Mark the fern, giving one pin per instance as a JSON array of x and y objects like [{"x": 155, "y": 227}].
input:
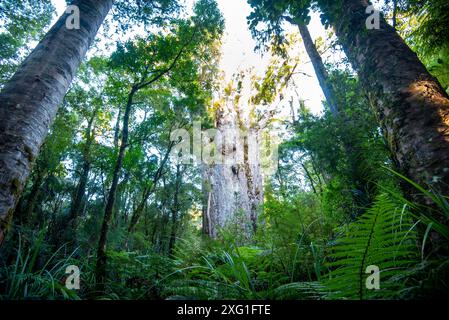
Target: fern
[
  {"x": 187, "y": 289},
  {"x": 299, "y": 291},
  {"x": 26, "y": 279},
  {"x": 384, "y": 236}
]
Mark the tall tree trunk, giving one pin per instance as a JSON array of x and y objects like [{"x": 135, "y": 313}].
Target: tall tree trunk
[
  {"x": 337, "y": 108},
  {"x": 100, "y": 269},
  {"x": 27, "y": 212},
  {"x": 149, "y": 189},
  {"x": 395, "y": 13},
  {"x": 29, "y": 101},
  {"x": 412, "y": 105},
  {"x": 117, "y": 128},
  {"x": 236, "y": 190},
  {"x": 80, "y": 192},
  {"x": 309, "y": 176},
  {"x": 175, "y": 210},
  {"x": 320, "y": 69}
]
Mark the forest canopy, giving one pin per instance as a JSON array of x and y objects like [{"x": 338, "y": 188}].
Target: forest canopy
[{"x": 145, "y": 155}]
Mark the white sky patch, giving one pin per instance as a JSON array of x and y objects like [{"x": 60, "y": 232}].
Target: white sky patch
[{"x": 238, "y": 51}]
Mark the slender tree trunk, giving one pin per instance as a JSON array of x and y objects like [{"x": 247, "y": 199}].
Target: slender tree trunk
[
  {"x": 100, "y": 270},
  {"x": 82, "y": 183},
  {"x": 32, "y": 198},
  {"x": 117, "y": 128},
  {"x": 412, "y": 105},
  {"x": 29, "y": 101},
  {"x": 320, "y": 69},
  {"x": 149, "y": 189},
  {"x": 395, "y": 13},
  {"x": 140, "y": 208},
  {"x": 175, "y": 210},
  {"x": 309, "y": 176},
  {"x": 318, "y": 173},
  {"x": 80, "y": 193},
  {"x": 336, "y": 106}
]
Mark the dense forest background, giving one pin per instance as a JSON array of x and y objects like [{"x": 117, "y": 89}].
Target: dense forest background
[{"x": 92, "y": 176}]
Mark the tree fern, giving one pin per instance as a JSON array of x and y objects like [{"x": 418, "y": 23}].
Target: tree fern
[{"x": 384, "y": 237}]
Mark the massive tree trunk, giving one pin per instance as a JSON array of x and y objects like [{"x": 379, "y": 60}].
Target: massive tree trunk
[
  {"x": 234, "y": 189},
  {"x": 100, "y": 269},
  {"x": 412, "y": 105},
  {"x": 29, "y": 101}
]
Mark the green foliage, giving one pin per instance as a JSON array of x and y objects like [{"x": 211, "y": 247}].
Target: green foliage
[
  {"x": 432, "y": 210},
  {"x": 29, "y": 277},
  {"x": 295, "y": 230},
  {"x": 135, "y": 275},
  {"x": 340, "y": 156},
  {"x": 299, "y": 291},
  {"x": 242, "y": 273},
  {"x": 432, "y": 17},
  {"x": 271, "y": 14},
  {"x": 332, "y": 209},
  {"x": 423, "y": 25},
  {"x": 384, "y": 236},
  {"x": 144, "y": 12},
  {"x": 22, "y": 22}
]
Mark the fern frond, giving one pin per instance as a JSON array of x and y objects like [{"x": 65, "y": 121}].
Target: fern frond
[
  {"x": 383, "y": 236},
  {"x": 299, "y": 291}
]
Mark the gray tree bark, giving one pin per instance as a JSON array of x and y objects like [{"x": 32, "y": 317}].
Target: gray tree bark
[
  {"x": 411, "y": 103},
  {"x": 320, "y": 69},
  {"x": 29, "y": 101},
  {"x": 234, "y": 189}
]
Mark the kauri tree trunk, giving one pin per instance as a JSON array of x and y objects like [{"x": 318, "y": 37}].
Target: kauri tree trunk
[
  {"x": 233, "y": 191},
  {"x": 337, "y": 107},
  {"x": 412, "y": 105},
  {"x": 29, "y": 101},
  {"x": 320, "y": 69}
]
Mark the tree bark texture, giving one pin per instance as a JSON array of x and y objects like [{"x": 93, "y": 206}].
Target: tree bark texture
[
  {"x": 320, "y": 69},
  {"x": 234, "y": 189},
  {"x": 29, "y": 101},
  {"x": 411, "y": 103}
]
